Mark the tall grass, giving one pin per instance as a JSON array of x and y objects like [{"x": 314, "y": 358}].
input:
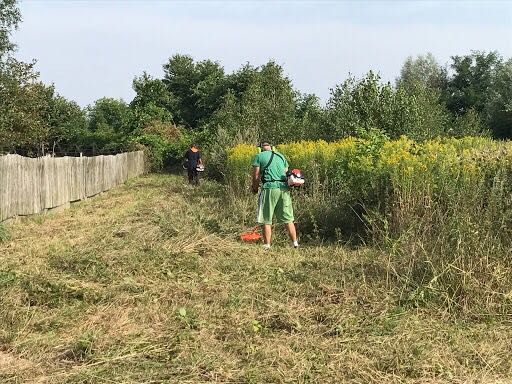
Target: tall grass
[
  {"x": 443, "y": 208},
  {"x": 149, "y": 283},
  {"x": 4, "y": 234}
]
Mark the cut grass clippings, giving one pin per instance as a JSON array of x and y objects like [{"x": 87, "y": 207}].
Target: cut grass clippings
[{"x": 149, "y": 284}]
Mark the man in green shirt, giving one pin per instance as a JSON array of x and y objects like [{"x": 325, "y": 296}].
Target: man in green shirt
[{"x": 269, "y": 168}]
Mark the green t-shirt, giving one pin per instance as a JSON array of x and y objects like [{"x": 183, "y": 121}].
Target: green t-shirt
[{"x": 275, "y": 171}]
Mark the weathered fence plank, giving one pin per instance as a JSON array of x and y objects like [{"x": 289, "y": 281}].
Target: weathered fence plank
[{"x": 29, "y": 186}]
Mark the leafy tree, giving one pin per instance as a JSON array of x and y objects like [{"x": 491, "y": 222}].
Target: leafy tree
[
  {"x": 67, "y": 125},
  {"x": 22, "y": 99},
  {"x": 197, "y": 88},
  {"x": 356, "y": 105},
  {"x": 209, "y": 89},
  {"x": 181, "y": 78},
  {"x": 419, "y": 113},
  {"x": 113, "y": 113},
  {"x": 259, "y": 103},
  {"x": 277, "y": 104},
  {"x": 310, "y": 118},
  {"x": 23, "y": 108},
  {"x": 238, "y": 82},
  {"x": 366, "y": 104},
  {"x": 468, "y": 124},
  {"x": 262, "y": 105},
  {"x": 422, "y": 71},
  {"x": 164, "y": 144},
  {"x": 10, "y": 17},
  {"x": 110, "y": 125},
  {"x": 228, "y": 116},
  {"x": 31, "y": 115},
  {"x": 152, "y": 102},
  {"x": 472, "y": 81},
  {"x": 498, "y": 109}
]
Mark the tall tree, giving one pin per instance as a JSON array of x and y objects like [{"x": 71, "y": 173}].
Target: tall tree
[
  {"x": 24, "y": 101},
  {"x": 67, "y": 125},
  {"x": 310, "y": 118},
  {"x": 110, "y": 125},
  {"x": 264, "y": 109},
  {"x": 422, "y": 71},
  {"x": 113, "y": 113},
  {"x": 181, "y": 78},
  {"x": 210, "y": 88},
  {"x": 24, "y": 108},
  {"x": 367, "y": 104},
  {"x": 197, "y": 88},
  {"x": 239, "y": 81},
  {"x": 498, "y": 110},
  {"x": 152, "y": 103},
  {"x": 471, "y": 83},
  {"x": 10, "y": 17},
  {"x": 270, "y": 101}
]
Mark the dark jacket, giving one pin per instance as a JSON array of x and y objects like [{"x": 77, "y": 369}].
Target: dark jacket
[{"x": 192, "y": 158}]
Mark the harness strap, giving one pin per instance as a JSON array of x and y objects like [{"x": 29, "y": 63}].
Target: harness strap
[{"x": 263, "y": 172}]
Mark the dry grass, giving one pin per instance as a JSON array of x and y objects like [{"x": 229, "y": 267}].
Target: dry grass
[{"x": 148, "y": 284}]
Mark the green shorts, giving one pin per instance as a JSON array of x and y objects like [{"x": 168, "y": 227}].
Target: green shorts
[{"x": 275, "y": 201}]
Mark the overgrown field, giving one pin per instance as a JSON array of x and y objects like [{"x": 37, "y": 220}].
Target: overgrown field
[
  {"x": 442, "y": 209},
  {"x": 148, "y": 284}
]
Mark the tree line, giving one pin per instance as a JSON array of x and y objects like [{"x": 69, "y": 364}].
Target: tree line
[{"x": 199, "y": 101}]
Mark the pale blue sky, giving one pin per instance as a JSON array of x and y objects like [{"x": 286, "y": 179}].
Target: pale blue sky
[{"x": 91, "y": 49}]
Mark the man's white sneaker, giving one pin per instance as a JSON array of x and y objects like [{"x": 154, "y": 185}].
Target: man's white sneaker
[{"x": 266, "y": 247}]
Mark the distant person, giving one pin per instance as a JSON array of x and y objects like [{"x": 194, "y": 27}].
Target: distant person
[
  {"x": 193, "y": 160},
  {"x": 269, "y": 167}
]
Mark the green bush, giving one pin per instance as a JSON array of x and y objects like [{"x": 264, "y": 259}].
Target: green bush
[{"x": 164, "y": 144}]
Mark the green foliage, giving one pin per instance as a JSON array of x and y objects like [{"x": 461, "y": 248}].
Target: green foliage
[
  {"x": 472, "y": 81},
  {"x": 221, "y": 110},
  {"x": 422, "y": 71},
  {"x": 155, "y": 148},
  {"x": 67, "y": 122},
  {"x": 152, "y": 102},
  {"x": 110, "y": 125},
  {"x": 498, "y": 110},
  {"x": 359, "y": 105},
  {"x": 469, "y": 124},
  {"x": 260, "y": 104},
  {"x": 23, "y": 100},
  {"x": 310, "y": 124},
  {"x": 23, "y": 107},
  {"x": 111, "y": 113},
  {"x": 217, "y": 141},
  {"x": 10, "y": 17},
  {"x": 197, "y": 88},
  {"x": 164, "y": 144},
  {"x": 479, "y": 87},
  {"x": 4, "y": 233},
  {"x": 425, "y": 117},
  {"x": 268, "y": 105}
]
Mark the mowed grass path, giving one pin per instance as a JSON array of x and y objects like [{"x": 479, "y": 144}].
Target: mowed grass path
[{"x": 149, "y": 284}]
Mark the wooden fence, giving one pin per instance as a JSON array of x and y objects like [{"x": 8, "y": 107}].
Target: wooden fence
[{"x": 29, "y": 186}]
